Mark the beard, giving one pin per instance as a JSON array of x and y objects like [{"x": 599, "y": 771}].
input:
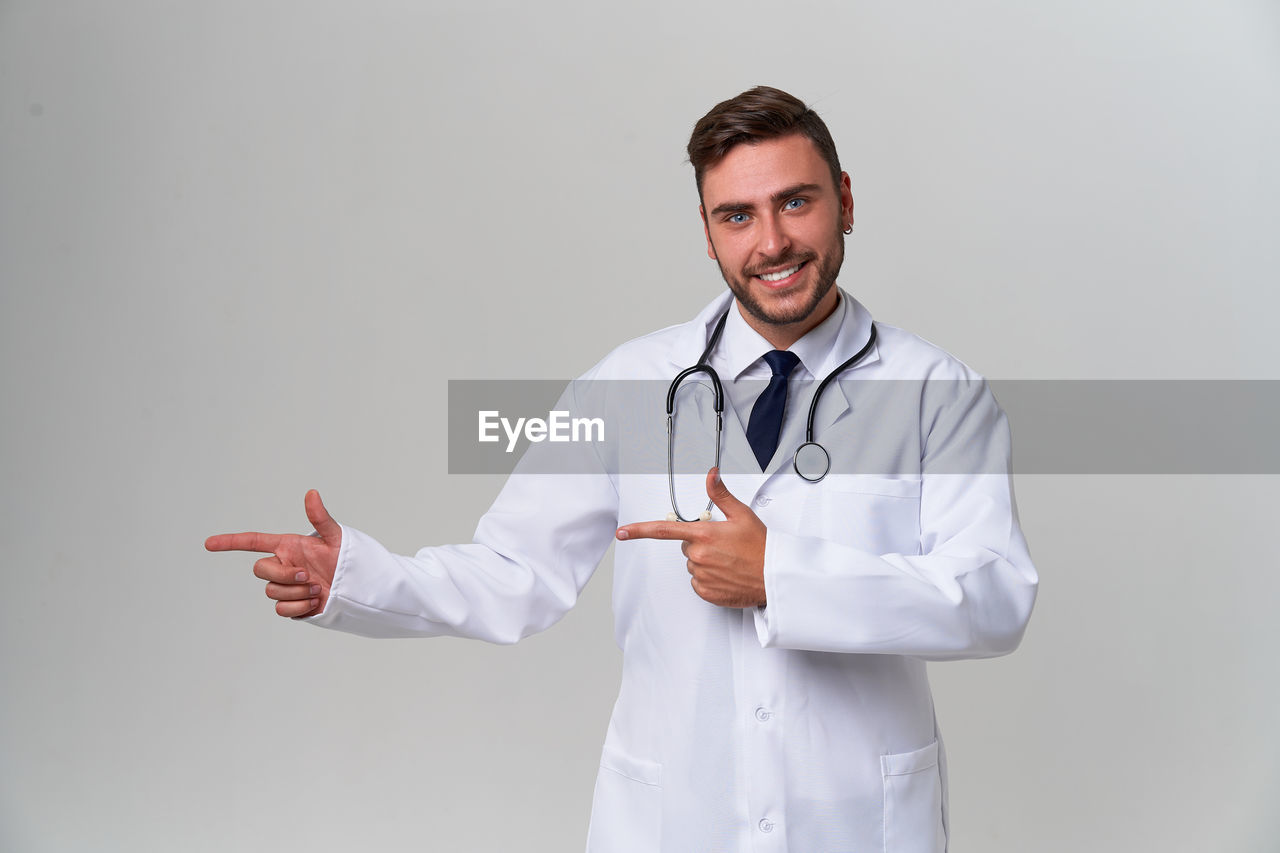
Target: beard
[{"x": 827, "y": 268}]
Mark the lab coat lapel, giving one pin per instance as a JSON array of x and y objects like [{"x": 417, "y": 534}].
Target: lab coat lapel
[
  {"x": 695, "y": 334},
  {"x": 736, "y": 455},
  {"x": 841, "y": 395},
  {"x": 741, "y": 471}
]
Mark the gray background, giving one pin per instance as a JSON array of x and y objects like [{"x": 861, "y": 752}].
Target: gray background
[{"x": 243, "y": 245}]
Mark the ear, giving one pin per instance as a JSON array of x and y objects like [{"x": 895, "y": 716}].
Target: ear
[
  {"x": 711, "y": 250},
  {"x": 846, "y": 201}
]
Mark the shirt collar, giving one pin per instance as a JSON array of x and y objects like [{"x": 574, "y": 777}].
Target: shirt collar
[{"x": 741, "y": 346}]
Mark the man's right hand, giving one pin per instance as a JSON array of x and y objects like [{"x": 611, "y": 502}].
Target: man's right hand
[{"x": 300, "y": 569}]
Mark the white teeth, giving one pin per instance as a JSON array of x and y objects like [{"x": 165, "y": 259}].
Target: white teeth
[{"x": 779, "y": 276}]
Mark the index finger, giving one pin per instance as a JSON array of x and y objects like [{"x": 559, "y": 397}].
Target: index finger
[
  {"x": 658, "y": 530},
  {"x": 265, "y": 543}
]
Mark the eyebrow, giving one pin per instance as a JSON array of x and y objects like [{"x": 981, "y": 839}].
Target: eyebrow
[{"x": 780, "y": 195}]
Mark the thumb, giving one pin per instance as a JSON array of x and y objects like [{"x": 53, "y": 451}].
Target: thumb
[
  {"x": 720, "y": 496},
  {"x": 330, "y": 531}
]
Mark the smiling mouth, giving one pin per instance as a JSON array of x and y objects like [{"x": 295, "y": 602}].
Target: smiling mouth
[{"x": 781, "y": 274}]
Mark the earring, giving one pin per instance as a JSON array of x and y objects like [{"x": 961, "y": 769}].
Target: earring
[{"x": 849, "y": 229}]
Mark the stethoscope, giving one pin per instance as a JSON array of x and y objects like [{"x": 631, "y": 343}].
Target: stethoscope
[{"x": 811, "y": 460}]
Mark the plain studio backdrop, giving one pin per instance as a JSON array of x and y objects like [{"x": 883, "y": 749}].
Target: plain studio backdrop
[{"x": 244, "y": 245}]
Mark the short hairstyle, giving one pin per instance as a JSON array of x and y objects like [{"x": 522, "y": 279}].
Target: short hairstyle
[{"x": 756, "y": 115}]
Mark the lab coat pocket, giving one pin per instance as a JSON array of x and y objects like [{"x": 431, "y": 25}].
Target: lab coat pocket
[
  {"x": 626, "y": 812},
  {"x": 913, "y": 802},
  {"x": 879, "y": 515}
]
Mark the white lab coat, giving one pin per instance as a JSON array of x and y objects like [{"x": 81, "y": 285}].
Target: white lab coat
[{"x": 806, "y": 726}]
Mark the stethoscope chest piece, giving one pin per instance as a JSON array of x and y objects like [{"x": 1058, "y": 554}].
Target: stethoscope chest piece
[{"x": 811, "y": 461}]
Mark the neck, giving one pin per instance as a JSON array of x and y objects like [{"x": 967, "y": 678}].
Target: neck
[{"x": 783, "y": 335}]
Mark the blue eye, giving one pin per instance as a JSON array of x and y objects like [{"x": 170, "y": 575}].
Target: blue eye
[
  {"x": 737, "y": 218},
  {"x": 793, "y": 204}
]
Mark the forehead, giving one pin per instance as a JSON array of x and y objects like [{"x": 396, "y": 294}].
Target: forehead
[{"x": 751, "y": 172}]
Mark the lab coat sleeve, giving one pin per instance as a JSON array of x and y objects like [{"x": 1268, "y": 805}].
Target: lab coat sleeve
[
  {"x": 967, "y": 593},
  {"x": 532, "y": 553}
]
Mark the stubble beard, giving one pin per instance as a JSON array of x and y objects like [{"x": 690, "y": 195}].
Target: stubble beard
[{"x": 828, "y": 269}]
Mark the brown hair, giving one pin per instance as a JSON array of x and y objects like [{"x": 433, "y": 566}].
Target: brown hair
[{"x": 757, "y": 114}]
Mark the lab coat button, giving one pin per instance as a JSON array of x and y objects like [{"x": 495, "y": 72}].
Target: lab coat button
[
  {"x": 763, "y": 500},
  {"x": 763, "y": 714},
  {"x": 766, "y": 825}
]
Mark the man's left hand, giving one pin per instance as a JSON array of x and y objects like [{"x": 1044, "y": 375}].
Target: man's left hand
[{"x": 726, "y": 558}]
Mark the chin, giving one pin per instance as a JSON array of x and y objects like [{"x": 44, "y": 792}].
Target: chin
[{"x": 783, "y": 308}]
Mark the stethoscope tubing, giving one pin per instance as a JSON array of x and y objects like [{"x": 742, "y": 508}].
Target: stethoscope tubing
[
  {"x": 701, "y": 367},
  {"x": 810, "y": 448}
]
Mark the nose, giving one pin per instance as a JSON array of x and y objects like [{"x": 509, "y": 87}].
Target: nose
[{"x": 774, "y": 241}]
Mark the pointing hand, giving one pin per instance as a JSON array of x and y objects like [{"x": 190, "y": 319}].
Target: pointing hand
[
  {"x": 725, "y": 558},
  {"x": 300, "y": 569}
]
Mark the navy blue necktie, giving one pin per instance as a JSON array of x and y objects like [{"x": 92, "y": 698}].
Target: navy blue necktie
[{"x": 765, "y": 424}]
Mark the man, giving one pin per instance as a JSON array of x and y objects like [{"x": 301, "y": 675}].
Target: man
[{"x": 774, "y": 694}]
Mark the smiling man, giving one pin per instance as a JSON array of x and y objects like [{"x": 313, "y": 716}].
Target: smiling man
[
  {"x": 774, "y": 693},
  {"x": 775, "y": 221}
]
